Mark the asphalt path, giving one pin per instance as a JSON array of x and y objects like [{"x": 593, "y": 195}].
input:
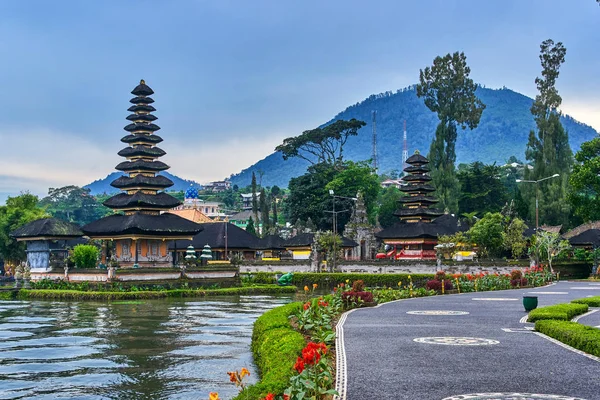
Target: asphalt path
[{"x": 389, "y": 352}]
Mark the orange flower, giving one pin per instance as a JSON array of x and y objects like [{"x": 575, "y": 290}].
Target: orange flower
[
  {"x": 315, "y": 286},
  {"x": 232, "y": 377},
  {"x": 306, "y": 305},
  {"x": 306, "y": 288},
  {"x": 244, "y": 372},
  {"x": 213, "y": 396},
  {"x": 342, "y": 284}
]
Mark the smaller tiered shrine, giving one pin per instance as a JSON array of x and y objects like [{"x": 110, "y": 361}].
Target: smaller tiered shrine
[
  {"x": 415, "y": 236},
  {"x": 141, "y": 229}
]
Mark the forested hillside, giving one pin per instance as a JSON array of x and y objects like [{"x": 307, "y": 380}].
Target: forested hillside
[{"x": 502, "y": 132}]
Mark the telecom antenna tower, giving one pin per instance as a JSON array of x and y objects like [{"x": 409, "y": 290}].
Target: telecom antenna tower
[
  {"x": 375, "y": 166},
  {"x": 405, "y": 148}
]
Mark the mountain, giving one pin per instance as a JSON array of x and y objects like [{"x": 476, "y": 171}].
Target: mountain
[
  {"x": 103, "y": 185},
  {"x": 502, "y": 132}
]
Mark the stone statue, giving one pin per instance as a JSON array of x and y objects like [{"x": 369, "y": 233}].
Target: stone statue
[{"x": 285, "y": 279}]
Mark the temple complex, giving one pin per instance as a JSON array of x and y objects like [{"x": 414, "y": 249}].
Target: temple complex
[
  {"x": 361, "y": 231},
  {"x": 415, "y": 235},
  {"x": 140, "y": 231}
]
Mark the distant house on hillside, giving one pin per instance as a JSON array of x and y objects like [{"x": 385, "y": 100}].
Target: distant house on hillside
[
  {"x": 241, "y": 220},
  {"x": 247, "y": 200},
  {"x": 218, "y": 186},
  {"x": 391, "y": 182}
]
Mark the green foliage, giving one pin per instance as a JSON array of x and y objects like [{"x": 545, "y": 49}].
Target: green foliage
[
  {"x": 482, "y": 191},
  {"x": 548, "y": 149},
  {"x": 250, "y": 226},
  {"x": 332, "y": 244},
  {"x": 449, "y": 92},
  {"x": 388, "y": 204},
  {"x": 17, "y": 212},
  {"x": 73, "y": 204},
  {"x": 590, "y": 301},
  {"x": 584, "y": 194},
  {"x": 325, "y": 144},
  {"x": 330, "y": 280},
  {"x": 143, "y": 294},
  {"x": 85, "y": 255},
  {"x": 545, "y": 246},
  {"x": 487, "y": 233},
  {"x": 562, "y": 312},
  {"x": 7, "y": 294},
  {"x": 267, "y": 278},
  {"x": 275, "y": 346},
  {"x": 581, "y": 337},
  {"x": 514, "y": 239}
]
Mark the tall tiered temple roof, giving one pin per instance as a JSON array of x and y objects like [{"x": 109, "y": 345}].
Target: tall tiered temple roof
[{"x": 141, "y": 201}]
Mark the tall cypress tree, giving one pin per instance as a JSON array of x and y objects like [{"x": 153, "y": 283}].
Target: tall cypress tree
[
  {"x": 264, "y": 212},
  {"x": 449, "y": 92},
  {"x": 548, "y": 149},
  {"x": 254, "y": 198}
]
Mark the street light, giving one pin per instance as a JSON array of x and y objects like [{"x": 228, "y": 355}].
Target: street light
[
  {"x": 536, "y": 195},
  {"x": 334, "y": 221}
]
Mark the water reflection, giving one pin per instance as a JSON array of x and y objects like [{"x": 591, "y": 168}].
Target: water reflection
[{"x": 126, "y": 350}]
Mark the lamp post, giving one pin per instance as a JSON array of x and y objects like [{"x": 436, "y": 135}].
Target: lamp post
[
  {"x": 334, "y": 221},
  {"x": 536, "y": 195}
]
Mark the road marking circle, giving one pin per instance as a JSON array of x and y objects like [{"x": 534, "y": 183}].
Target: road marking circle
[
  {"x": 456, "y": 341},
  {"x": 437, "y": 312}
]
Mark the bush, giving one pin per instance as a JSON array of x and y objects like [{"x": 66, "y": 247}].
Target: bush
[
  {"x": 590, "y": 301},
  {"x": 358, "y": 286},
  {"x": 561, "y": 312},
  {"x": 518, "y": 282},
  {"x": 440, "y": 275},
  {"x": 330, "y": 280},
  {"x": 584, "y": 338},
  {"x": 437, "y": 285},
  {"x": 275, "y": 346},
  {"x": 357, "y": 297},
  {"x": 85, "y": 255},
  {"x": 516, "y": 275}
]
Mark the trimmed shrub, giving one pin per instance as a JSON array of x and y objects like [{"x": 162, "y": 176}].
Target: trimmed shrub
[
  {"x": 581, "y": 337},
  {"x": 275, "y": 346},
  {"x": 85, "y": 255},
  {"x": 516, "y": 275},
  {"x": 561, "y": 312},
  {"x": 358, "y": 286},
  {"x": 330, "y": 280},
  {"x": 590, "y": 301}
]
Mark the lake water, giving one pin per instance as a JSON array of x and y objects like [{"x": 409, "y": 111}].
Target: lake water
[{"x": 158, "y": 349}]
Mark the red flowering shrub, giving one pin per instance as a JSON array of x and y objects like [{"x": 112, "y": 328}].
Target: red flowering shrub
[
  {"x": 352, "y": 295},
  {"x": 437, "y": 285},
  {"x": 515, "y": 274},
  {"x": 440, "y": 275},
  {"x": 518, "y": 282},
  {"x": 358, "y": 286}
]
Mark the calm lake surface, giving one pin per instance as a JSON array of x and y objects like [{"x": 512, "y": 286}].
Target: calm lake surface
[{"x": 157, "y": 349}]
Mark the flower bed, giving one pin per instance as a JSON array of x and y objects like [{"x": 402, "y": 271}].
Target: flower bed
[
  {"x": 560, "y": 312},
  {"x": 584, "y": 338}
]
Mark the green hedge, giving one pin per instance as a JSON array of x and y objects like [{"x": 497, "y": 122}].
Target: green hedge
[
  {"x": 561, "y": 312},
  {"x": 7, "y": 294},
  {"x": 91, "y": 295},
  {"x": 584, "y": 338},
  {"x": 590, "y": 301},
  {"x": 275, "y": 346},
  {"x": 331, "y": 280}
]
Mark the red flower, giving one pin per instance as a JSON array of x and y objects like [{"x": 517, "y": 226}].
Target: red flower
[
  {"x": 269, "y": 396},
  {"x": 286, "y": 397},
  {"x": 335, "y": 289},
  {"x": 342, "y": 284},
  {"x": 323, "y": 303},
  {"x": 306, "y": 305},
  {"x": 299, "y": 366}
]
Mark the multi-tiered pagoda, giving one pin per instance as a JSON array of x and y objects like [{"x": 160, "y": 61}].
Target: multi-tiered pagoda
[
  {"x": 141, "y": 230},
  {"x": 415, "y": 236}
]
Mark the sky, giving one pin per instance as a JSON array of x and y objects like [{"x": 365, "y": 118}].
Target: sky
[{"x": 232, "y": 79}]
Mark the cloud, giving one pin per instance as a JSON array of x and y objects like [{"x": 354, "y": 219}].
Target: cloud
[{"x": 588, "y": 112}]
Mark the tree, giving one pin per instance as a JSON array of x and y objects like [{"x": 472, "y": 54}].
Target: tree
[
  {"x": 254, "y": 198},
  {"x": 17, "y": 212},
  {"x": 584, "y": 193},
  {"x": 514, "y": 239},
  {"x": 548, "y": 245},
  {"x": 275, "y": 192},
  {"x": 388, "y": 204},
  {"x": 332, "y": 244},
  {"x": 250, "y": 226},
  {"x": 487, "y": 233},
  {"x": 85, "y": 255},
  {"x": 482, "y": 190},
  {"x": 73, "y": 204},
  {"x": 264, "y": 212},
  {"x": 449, "y": 92},
  {"x": 321, "y": 145},
  {"x": 548, "y": 149}
]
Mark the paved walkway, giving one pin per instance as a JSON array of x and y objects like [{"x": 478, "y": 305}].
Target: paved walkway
[{"x": 393, "y": 353}]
